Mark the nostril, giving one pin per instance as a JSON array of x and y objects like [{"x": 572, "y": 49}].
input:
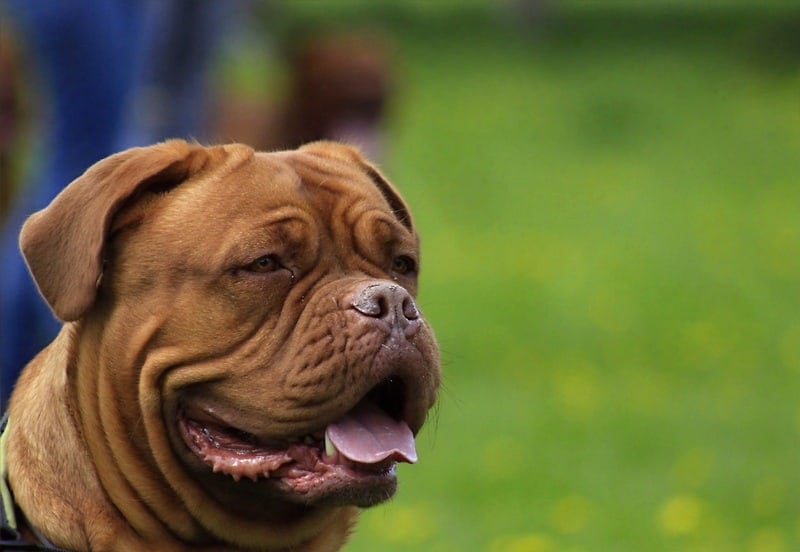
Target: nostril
[
  {"x": 370, "y": 302},
  {"x": 410, "y": 310},
  {"x": 383, "y": 306}
]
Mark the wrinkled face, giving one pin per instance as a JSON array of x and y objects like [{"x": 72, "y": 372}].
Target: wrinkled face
[{"x": 274, "y": 356}]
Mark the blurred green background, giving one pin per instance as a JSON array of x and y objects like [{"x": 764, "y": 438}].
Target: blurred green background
[{"x": 609, "y": 200}]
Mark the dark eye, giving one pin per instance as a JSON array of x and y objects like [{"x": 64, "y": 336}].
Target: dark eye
[
  {"x": 404, "y": 265},
  {"x": 267, "y": 263}
]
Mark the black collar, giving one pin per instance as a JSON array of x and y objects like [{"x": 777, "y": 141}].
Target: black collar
[{"x": 10, "y": 537}]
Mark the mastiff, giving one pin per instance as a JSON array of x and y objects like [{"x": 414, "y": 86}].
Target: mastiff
[{"x": 242, "y": 363}]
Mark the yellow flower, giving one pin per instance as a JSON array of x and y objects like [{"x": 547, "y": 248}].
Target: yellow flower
[
  {"x": 768, "y": 539},
  {"x": 533, "y": 542},
  {"x": 571, "y": 514},
  {"x": 680, "y": 515}
]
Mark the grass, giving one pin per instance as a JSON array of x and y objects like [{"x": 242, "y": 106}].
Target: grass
[{"x": 610, "y": 212}]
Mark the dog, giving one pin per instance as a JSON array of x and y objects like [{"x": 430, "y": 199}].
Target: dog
[
  {"x": 242, "y": 363},
  {"x": 339, "y": 87}
]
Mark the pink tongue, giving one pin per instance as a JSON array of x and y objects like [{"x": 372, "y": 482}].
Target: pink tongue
[{"x": 368, "y": 435}]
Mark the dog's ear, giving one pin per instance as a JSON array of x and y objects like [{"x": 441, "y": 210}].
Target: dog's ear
[
  {"x": 350, "y": 154},
  {"x": 63, "y": 243}
]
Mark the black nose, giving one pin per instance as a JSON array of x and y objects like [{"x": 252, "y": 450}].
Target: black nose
[{"x": 389, "y": 302}]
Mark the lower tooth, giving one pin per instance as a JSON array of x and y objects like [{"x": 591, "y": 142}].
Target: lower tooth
[{"x": 330, "y": 449}]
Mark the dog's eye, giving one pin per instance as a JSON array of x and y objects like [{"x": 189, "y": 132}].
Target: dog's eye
[
  {"x": 266, "y": 263},
  {"x": 404, "y": 265}
]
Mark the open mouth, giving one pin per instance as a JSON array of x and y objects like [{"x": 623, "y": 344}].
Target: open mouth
[{"x": 365, "y": 443}]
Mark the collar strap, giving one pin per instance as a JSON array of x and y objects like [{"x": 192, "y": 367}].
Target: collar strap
[
  {"x": 7, "y": 507},
  {"x": 10, "y": 537}
]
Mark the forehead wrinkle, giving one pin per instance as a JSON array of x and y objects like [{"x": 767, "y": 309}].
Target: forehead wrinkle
[
  {"x": 228, "y": 208},
  {"x": 343, "y": 199},
  {"x": 272, "y": 173},
  {"x": 333, "y": 176},
  {"x": 363, "y": 197}
]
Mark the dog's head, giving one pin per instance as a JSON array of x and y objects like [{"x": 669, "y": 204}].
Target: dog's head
[{"x": 251, "y": 362}]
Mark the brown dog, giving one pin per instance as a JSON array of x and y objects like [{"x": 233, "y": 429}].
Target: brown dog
[
  {"x": 339, "y": 86},
  {"x": 243, "y": 360}
]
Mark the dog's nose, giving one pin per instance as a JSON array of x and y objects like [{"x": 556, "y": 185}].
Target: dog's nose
[{"x": 389, "y": 302}]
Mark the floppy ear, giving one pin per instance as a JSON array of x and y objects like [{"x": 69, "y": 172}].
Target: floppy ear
[
  {"x": 350, "y": 154},
  {"x": 63, "y": 243}
]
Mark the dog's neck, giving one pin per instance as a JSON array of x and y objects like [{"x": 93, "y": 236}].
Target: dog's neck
[
  {"x": 42, "y": 448},
  {"x": 15, "y": 532}
]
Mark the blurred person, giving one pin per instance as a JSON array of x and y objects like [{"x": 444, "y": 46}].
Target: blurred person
[{"x": 114, "y": 74}]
